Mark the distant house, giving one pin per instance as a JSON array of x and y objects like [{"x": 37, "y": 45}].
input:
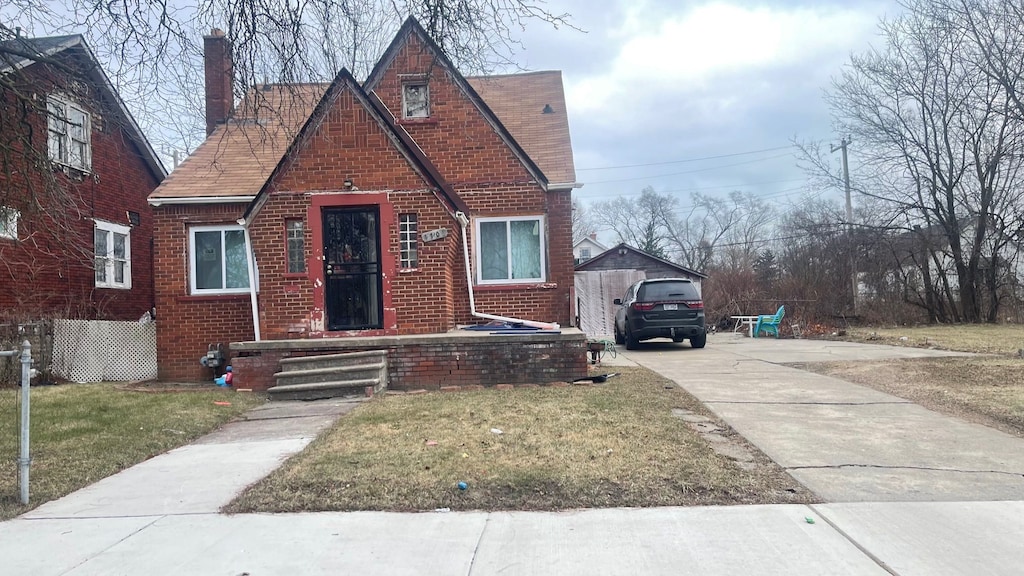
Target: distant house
[
  {"x": 605, "y": 277},
  {"x": 76, "y": 231},
  {"x": 324, "y": 217},
  {"x": 586, "y": 248}
]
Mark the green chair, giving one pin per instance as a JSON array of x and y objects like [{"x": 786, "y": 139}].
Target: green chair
[{"x": 769, "y": 322}]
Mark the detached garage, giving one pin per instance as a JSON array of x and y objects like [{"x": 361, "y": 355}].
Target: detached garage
[{"x": 606, "y": 277}]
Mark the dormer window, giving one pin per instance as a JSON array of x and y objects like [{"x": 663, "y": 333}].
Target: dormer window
[
  {"x": 69, "y": 133},
  {"x": 415, "y": 100}
]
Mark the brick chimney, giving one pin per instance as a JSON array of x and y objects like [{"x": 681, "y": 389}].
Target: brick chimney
[{"x": 220, "y": 101}]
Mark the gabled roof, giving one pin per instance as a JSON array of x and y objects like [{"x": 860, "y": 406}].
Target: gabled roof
[
  {"x": 411, "y": 27},
  {"x": 589, "y": 240},
  {"x": 19, "y": 53},
  {"x": 614, "y": 251},
  {"x": 376, "y": 109},
  {"x": 532, "y": 107},
  {"x": 236, "y": 160}
]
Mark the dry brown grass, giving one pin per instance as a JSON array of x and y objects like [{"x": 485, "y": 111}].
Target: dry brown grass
[
  {"x": 616, "y": 444},
  {"x": 985, "y": 390},
  {"x": 1005, "y": 339}
]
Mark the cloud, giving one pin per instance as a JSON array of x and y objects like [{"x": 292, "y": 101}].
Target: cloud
[{"x": 690, "y": 52}]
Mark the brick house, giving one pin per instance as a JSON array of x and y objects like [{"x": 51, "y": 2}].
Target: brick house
[
  {"x": 75, "y": 171},
  {"x": 363, "y": 203}
]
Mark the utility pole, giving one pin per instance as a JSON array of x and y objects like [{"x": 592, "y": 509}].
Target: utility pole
[{"x": 849, "y": 220}]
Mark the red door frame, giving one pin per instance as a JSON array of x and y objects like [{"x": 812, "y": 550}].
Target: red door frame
[{"x": 387, "y": 261}]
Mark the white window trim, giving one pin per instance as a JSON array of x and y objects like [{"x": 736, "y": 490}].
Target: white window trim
[
  {"x": 112, "y": 229},
  {"x": 9, "y": 223},
  {"x": 67, "y": 104},
  {"x": 408, "y": 240},
  {"x": 542, "y": 222},
  {"x": 192, "y": 262}
]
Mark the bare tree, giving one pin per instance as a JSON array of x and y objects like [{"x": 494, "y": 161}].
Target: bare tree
[
  {"x": 639, "y": 222},
  {"x": 940, "y": 141},
  {"x": 583, "y": 222},
  {"x": 153, "y": 50}
]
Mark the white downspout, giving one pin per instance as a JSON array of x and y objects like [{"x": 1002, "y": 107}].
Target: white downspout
[
  {"x": 250, "y": 262},
  {"x": 464, "y": 221}
]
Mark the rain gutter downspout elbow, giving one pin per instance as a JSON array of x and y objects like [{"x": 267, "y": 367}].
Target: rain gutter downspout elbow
[{"x": 464, "y": 221}]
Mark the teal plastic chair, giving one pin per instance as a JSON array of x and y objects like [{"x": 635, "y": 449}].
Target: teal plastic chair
[{"x": 769, "y": 322}]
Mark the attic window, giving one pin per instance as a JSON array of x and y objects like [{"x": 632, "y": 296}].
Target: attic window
[
  {"x": 69, "y": 133},
  {"x": 415, "y": 100}
]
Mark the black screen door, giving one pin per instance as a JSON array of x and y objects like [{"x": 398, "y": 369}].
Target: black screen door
[{"x": 352, "y": 271}]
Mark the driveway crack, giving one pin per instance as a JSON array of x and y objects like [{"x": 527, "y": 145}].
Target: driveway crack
[{"x": 924, "y": 468}]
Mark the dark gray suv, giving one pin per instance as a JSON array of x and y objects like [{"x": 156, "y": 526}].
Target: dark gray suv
[{"x": 661, "y": 308}]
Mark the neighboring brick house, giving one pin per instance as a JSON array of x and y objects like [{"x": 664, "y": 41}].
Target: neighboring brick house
[
  {"x": 76, "y": 230},
  {"x": 354, "y": 198}
]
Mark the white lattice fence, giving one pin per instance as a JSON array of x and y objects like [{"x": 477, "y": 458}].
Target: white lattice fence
[
  {"x": 97, "y": 350},
  {"x": 595, "y": 291}
]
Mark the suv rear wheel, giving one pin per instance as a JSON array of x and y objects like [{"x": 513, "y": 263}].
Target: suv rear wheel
[
  {"x": 699, "y": 341},
  {"x": 631, "y": 342},
  {"x": 618, "y": 337}
]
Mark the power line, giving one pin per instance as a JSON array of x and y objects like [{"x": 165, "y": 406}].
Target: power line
[
  {"x": 583, "y": 194},
  {"x": 689, "y": 171},
  {"x": 686, "y": 160}
]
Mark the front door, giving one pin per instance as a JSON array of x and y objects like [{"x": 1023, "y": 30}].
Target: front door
[{"x": 352, "y": 268}]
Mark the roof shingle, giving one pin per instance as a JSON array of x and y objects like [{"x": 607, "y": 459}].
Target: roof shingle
[{"x": 237, "y": 159}]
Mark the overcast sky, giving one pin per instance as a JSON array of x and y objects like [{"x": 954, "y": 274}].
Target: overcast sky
[{"x": 661, "y": 81}]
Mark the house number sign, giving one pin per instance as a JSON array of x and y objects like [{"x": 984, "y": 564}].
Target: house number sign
[{"x": 435, "y": 234}]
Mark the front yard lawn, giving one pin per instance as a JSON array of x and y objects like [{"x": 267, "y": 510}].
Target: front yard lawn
[
  {"x": 614, "y": 444},
  {"x": 81, "y": 433}
]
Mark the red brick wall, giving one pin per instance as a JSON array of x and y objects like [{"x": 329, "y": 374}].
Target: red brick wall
[
  {"x": 429, "y": 364},
  {"x": 49, "y": 270},
  {"x": 349, "y": 144},
  {"x": 186, "y": 324},
  {"x": 491, "y": 179}
]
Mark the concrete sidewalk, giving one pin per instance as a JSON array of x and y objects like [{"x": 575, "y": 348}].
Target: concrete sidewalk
[
  {"x": 160, "y": 517},
  {"x": 203, "y": 476}
]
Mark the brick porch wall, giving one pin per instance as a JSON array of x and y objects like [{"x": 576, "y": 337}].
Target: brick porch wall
[{"x": 430, "y": 362}]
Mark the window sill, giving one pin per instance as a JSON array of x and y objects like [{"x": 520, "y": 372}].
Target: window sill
[
  {"x": 408, "y": 270},
  {"x": 213, "y": 297},
  {"x": 70, "y": 169},
  {"x": 112, "y": 287},
  {"x": 515, "y": 287},
  {"x": 414, "y": 121}
]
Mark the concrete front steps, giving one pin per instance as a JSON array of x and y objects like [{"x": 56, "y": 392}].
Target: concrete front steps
[{"x": 351, "y": 374}]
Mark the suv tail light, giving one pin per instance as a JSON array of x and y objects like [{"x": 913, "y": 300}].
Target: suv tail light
[
  {"x": 694, "y": 303},
  {"x": 643, "y": 306}
]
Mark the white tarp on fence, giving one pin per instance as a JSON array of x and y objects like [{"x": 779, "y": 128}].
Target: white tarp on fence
[
  {"x": 594, "y": 294},
  {"x": 97, "y": 350}
]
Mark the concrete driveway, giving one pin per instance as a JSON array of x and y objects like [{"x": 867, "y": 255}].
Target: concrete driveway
[{"x": 845, "y": 442}]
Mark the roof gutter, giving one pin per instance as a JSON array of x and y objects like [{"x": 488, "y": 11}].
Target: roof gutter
[
  {"x": 201, "y": 200},
  {"x": 565, "y": 185},
  {"x": 464, "y": 221}
]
